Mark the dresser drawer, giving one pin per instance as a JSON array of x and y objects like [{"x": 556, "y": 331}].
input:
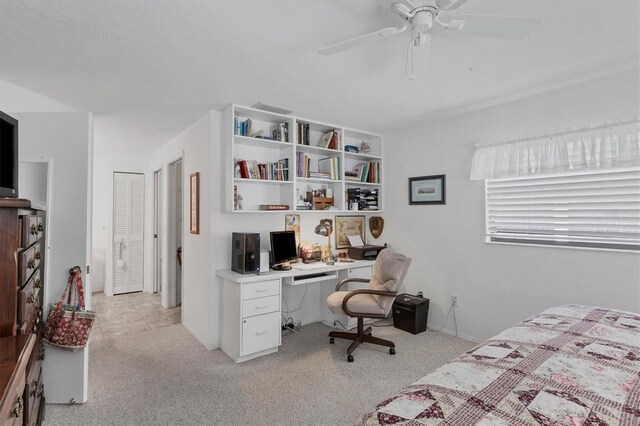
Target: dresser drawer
[
  {"x": 260, "y": 289},
  {"x": 29, "y": 261},
  {"x": 262, "y": 305},
  {"x": 33, "y": 393},
  {"x": 31, "y": 230},
  {"x": 260, "y": 333},
  {"x": 29, "y": 298},
  {"x": 12, "y": 413}
]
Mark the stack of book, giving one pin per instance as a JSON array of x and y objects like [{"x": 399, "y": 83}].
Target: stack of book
[
  {"x": 364, "y": 172},
  {"x": 263, "y": 171},
  {"x": 330, "y": 140},
  {"x": 303, "y": 133}
]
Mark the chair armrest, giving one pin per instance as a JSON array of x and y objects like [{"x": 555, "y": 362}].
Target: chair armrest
[
  {"x": 347, "y": 280},
  {"x": 363, "y": 291}
]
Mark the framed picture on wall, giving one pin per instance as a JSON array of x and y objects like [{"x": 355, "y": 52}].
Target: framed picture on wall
[
  {"x": 348, "y": 226},
  {"x": 427, "y": 190},
  {"x": 194, "y": 202}
]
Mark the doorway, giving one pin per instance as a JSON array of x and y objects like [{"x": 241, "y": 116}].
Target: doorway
[
  {"x": 171, "y": 236},
  {"x": 128, "y": 232},
  {"x": 157, "y": 231}
]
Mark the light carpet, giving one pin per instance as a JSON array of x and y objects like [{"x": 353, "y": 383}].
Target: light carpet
[{"x": 165, "y": 376}]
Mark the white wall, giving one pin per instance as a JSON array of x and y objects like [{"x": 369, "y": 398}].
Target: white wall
[
  {"x": 18, "y": 99},
  {"x": 32, "y": 181},
  {"x": 193, "y": 146},
  {"x": 64, "y": 139},
  {"x": 499, "y": 285},
  {"x": 105, "y": 164}
]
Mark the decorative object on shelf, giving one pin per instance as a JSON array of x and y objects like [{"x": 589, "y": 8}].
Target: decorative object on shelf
[
  {"x": 194, "y": 202},
  {"x": 322, "y": 203},
  {"x": 310, "y": 252},
  {"x": 347, "y": 226},
  {"x": 351, "y": 148},
  {"x": 292, "y": 223},
  {"x": 69, "y": 325},
  {"x": 365, "y": 148},
  {"x": 376, "y": 225},
  {"x": 427, "y": 190},
  {"x": 325, "y": 228}
]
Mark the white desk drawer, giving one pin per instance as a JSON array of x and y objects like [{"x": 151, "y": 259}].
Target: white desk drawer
[
  {"x": 262, "y": 305},
  {"x": 260, "y": 289},
  {"x": 260, "y": 333}
]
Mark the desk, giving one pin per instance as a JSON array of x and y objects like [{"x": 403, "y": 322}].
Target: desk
[{"x": 251, "y": 304}]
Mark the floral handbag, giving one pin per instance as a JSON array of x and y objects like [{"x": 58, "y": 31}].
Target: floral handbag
[{"x": 69, "y": 325}]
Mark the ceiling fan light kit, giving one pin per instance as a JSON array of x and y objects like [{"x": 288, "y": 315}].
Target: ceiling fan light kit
[{"x": 420, "y": 17}]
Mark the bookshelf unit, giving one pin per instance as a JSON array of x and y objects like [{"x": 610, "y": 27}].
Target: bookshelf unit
[{"x": 275, "y": 159}]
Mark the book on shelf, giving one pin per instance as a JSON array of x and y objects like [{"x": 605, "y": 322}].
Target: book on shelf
[
  {"x": 334, "y": 143},
  {"x": 303, "y": 133},
  {"x": 325, "y": 140},
  {"x": 319, "y": 175},
  {"x": 368, "y": 172},
  {"x": 281, "y": 132},
  {"x": 251, "y": 169},
  {"x": 331, "y": 166},
  {"x": 274, "y": 207}
]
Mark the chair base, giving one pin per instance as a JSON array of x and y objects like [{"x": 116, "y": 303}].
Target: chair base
[{"x": 361, "y": 336}]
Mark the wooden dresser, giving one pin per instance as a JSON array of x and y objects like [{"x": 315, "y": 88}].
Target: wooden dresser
[{"x": 22, "y": 250}]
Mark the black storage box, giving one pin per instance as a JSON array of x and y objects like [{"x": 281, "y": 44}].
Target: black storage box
[{"x": 410, "y": 313}]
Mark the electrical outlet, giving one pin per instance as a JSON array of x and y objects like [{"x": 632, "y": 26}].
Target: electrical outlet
[{"x": 455, "y": 301}]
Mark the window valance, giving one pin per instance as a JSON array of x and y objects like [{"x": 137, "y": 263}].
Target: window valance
[{"x": 596, "y": 147}]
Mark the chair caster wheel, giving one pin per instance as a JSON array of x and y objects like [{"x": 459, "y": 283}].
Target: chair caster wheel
[
  {"x": 350, "y": 358},
  {"x": 392, "y": 351},
  {"x": 331, "y": 340}
]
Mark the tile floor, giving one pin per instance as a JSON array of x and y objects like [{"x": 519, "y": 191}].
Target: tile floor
[{"x": 130, "y": 313}]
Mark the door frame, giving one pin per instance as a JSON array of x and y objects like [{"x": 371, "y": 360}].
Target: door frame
[
  {"x": 156, "y": 285},
  {"x": 168, "y": 294}
]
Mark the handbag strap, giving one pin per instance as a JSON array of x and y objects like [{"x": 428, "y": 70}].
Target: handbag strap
[{"x": 80, "y": 290}]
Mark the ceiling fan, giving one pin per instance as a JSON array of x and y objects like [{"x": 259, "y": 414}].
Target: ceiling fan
[{"x": 419, "y": 17}]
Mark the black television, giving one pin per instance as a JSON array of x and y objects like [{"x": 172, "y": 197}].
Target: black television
[
  {"x": 283, "y": 249},
  {"x": 8, "y": 156}
]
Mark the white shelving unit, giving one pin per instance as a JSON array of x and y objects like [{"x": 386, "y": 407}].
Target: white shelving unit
[{"x": 257, "y": 192}]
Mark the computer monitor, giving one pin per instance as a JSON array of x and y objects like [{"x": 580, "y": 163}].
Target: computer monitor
[{"x": 283, "y": 248}]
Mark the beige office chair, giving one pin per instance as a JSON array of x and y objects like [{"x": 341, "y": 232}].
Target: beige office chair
[{"x": 373, "y": 302}]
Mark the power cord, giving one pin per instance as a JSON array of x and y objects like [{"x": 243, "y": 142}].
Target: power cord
[{"x": 446, "y": 319}]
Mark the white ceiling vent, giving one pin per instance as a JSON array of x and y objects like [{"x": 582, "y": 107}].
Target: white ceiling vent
[{"x": 273, "y": 108}]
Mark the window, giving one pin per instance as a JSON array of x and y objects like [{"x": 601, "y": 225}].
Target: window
[{"x": 595, "y": 209}]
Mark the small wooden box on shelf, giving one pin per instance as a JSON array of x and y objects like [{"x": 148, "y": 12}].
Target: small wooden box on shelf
[{"x": 272, "y": 158}]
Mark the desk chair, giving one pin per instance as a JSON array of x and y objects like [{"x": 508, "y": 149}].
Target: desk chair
[{"x": 373, "y": 302}]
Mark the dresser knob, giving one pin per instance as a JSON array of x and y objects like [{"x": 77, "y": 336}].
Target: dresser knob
[
  {"x": 41, "y": 390},
  {"x": 40, "y": 227},
  {"x": 18, "y": 406},
  {"x": 34, "y": 230},
  {"x": 37, "y": 256},
  {"x": 34, "y": 385},
  {"x": 31, "y": 298},
  {"x": 37, "y": 283},
  {"x": 31, "y": 264}
]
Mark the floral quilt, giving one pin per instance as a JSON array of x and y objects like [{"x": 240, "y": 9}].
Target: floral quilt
[{"x": 570, "y": 365}]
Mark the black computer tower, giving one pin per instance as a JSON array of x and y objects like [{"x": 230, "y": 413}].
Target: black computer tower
[
  {"x": 410, "y": 313},
  {"x": 245, "y": 253}
]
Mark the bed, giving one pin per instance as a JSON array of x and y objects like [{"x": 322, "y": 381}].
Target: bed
[{"x": 570, "y": 365}]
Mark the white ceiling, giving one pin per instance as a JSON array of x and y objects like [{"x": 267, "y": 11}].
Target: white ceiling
[{"x": 147, "y": 68}]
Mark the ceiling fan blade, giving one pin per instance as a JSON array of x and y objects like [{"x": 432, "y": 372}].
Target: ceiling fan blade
[
  {"x": 449, "y": 4},
  {"x": 504, "y": 27},
  {"x": 363, "y": 39}
]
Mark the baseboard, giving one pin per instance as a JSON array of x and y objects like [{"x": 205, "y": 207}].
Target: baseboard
[
  {"x": 453, "y": 333},
  {"x": 199, "y": 338}
]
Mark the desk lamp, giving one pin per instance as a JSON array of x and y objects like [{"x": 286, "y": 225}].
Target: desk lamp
[{"x": 325, "y": 228}]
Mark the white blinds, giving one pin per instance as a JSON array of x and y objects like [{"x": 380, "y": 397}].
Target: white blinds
[{"x": 599, "y": 209}]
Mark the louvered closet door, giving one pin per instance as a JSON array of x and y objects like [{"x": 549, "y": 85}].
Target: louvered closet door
[{"x": 128, "y": 232}]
